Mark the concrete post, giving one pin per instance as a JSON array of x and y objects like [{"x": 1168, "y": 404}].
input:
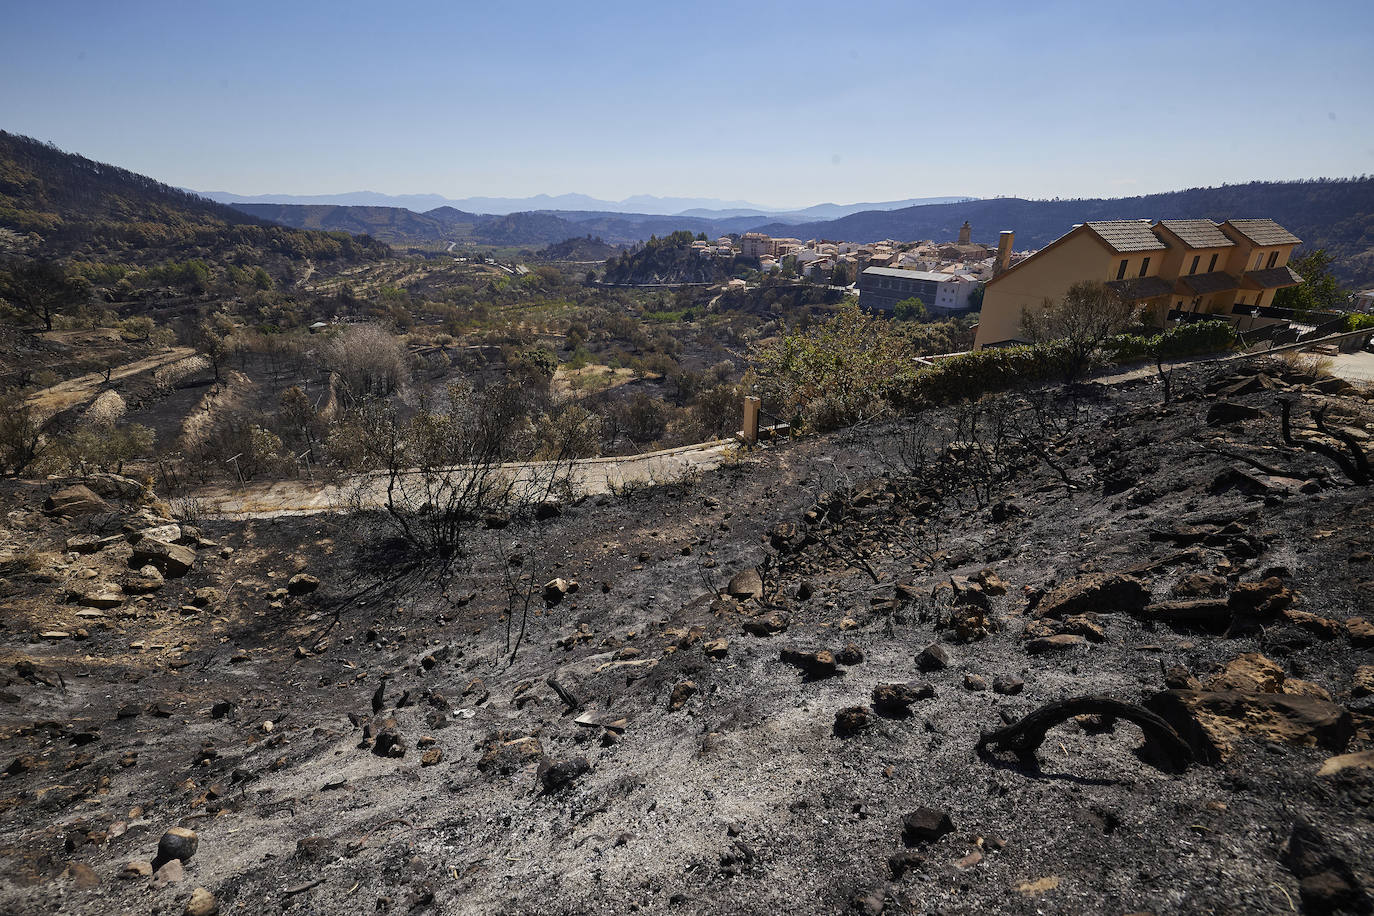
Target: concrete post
[{"x": 751, "y": 419}]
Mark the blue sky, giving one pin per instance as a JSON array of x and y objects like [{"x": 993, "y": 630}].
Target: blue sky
[{"x": 779, "y": 103}]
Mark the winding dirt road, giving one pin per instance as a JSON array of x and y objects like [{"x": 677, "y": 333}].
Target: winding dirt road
[
  {"x": 81, "y": 389},
  {"x": 590, "y": 476}
]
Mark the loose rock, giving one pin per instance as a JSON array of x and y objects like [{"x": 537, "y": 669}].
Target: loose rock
[
  {"x": 851, "y": 720},
  {"x": 202, "y": 903},
  {"x": 746, "y": 584},
  {"x": 1008, "y": 686},
  {"x": 681, "y": 694},
  {"x": 816, "y": 665},
  {"x": 1057, "y": 643},
  {"x": 554, "y": 775},
  {"x": 894, "y": 700},
  {"x": 170, "y": 559},
  {"x": 933, "y": 657},
  {"x": 925, "y": 825},
  {"x": 177, "y": 843},
  {"x": 302, "y": 584}
]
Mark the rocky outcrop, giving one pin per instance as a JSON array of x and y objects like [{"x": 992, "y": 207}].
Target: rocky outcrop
[
  {"x": 74, "y": 502},
  {"x": 172, "y": 560},
  {"x": 1097, "y": 592},
  {"x": 1212, "y": 721}
]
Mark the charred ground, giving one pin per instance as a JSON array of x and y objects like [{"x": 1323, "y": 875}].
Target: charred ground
[{"x": 1094, "y": 542}]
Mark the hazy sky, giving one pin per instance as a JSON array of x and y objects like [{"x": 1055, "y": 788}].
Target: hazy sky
[{"x": 779, "y": 103}]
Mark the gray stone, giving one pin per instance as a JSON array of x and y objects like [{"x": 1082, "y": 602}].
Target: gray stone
[
  {"x": 554, "y": 775},
  {"x": 1008, "y": 686},
  {"x": 75, "y": 501},
  {"x": 933, "y": 657},
  {"x": 1055, "y": 643},
  {"x": 746, "y": 584},
  {"x": 170, "y": 559},
  {"x": 1224, "y": 413},
  {"x": 895, "y": 699}
]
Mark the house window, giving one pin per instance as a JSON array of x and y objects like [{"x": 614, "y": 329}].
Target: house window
[
  {"x": 1212, "y": 265},
  {"x": 1259, "y": 300},
  {"x": 1259, "y": 260},
  {"x": 1192, "y": 270},
  {"x": 1121, "y": 271},
  {"x": 1144, "y": 266},
  {"x": 1273, "y": 258}
]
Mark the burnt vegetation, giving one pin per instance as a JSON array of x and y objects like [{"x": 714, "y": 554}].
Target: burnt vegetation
[
  {"x": 1036, "y": 650},
  {"x": 982, "y": 640}
]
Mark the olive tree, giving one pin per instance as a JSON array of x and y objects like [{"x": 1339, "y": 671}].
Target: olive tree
[{"x": 1080, "y": 323}]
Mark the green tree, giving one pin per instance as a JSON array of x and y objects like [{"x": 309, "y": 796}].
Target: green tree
[
  {"x": 211, "y": 343},
  {"x": 912, "y": 309},
  {"x": 104, "y": 448},
  {"x": 1318, "y": 289},
  {"x": 841, "y": 276},
  {"x": 21, "y": 433},
  {"x": 43, "y": 288},
  {"x": 1089, "y": 313},
  {"x": 139, "y": 327},
  {"x": 538, "y": 364},
  {"x": 835, "y": 372}
]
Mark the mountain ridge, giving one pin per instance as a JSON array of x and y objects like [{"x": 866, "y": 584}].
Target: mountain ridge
[
  {"x": 648, "y": 204},
  {"x": 59, "y": 204}
]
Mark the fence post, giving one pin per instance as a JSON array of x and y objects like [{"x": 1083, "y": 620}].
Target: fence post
[{"x": 751, "y": 419}]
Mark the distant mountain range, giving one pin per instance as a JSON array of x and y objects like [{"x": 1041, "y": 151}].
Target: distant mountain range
[
  {"x": 534, "y": 228},
  {"x": 1334, "y": 214},
  {"x": 645, "y": 204}
]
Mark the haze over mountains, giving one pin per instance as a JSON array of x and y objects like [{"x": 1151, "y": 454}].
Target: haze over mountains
[
  {"x": 1335, "y": 214},
  {"x": 647, "y": 204},
  {"x": 37, "y": 180}
]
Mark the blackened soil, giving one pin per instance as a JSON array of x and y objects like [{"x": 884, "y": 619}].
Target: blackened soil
[{"x": 743, "y": 799}]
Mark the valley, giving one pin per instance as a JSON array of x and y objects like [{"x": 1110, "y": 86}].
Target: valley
[{"x": 393, "y": 562}]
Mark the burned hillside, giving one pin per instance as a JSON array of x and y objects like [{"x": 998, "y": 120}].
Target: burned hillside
[{"x": 800, "y": 682}]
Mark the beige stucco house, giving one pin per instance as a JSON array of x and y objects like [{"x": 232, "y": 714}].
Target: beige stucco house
[{"x": 1168, "y": 268}]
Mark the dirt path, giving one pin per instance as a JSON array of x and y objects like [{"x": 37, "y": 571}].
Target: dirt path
[
  {"x": 591, "y": 476},
  {"x": 78, "y": 390}
]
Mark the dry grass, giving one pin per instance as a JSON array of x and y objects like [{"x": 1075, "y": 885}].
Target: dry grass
[{"x": 1313, "y": 365}]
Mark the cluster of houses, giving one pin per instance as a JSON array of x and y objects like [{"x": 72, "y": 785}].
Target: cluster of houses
[
  {"x": 943, "y": 275},
  {"x": 1175, "y": 270}
]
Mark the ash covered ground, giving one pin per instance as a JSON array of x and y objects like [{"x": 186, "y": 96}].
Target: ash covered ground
[{"x": 760, "y": 691}]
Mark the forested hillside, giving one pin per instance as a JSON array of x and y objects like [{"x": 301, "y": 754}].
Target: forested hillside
[
  {"x": 580, "y": 248},
  {"x": 393, "y": 225},
  {"x": 58, "y": 204},
  {"x": 1337, "y": 215},
  {"x": 670, "y": 259}
]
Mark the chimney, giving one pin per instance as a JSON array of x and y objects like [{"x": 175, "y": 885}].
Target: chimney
[{"x": 1003, "y": 252}]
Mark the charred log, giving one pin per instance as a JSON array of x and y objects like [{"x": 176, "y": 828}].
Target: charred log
[{"x": 1162, "y": 743}]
